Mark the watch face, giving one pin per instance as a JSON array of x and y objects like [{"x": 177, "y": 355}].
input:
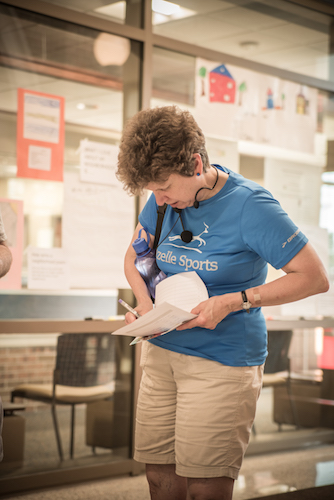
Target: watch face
[{"x": 246, "y": 305}]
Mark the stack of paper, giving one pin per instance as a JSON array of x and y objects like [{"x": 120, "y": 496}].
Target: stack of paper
[{"x": 176, "y": 296}]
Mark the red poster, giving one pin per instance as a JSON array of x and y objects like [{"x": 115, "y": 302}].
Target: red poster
[
  {"x": 326, "y": 358},
  {"x": 12, "y": 217},
  {"x": 40, "y": 135}
]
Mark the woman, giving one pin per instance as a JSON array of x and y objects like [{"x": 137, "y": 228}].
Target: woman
[{"x": 201, "y": 382}]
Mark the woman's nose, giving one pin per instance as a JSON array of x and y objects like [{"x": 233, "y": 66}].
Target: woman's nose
[{"x": 160, "y": 198}]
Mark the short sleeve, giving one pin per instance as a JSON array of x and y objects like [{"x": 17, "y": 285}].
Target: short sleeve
[
  {"x": 267, "y": 230},
  {"x": 148, "y": 216}
]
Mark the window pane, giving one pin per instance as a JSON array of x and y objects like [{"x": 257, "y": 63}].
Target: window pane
[
  {"x": 123, "y": 11},
  {"x": 276, "y": 33},
  {"x": 48, "y": 56},
  {"x": 327, "y": 215},
  {"x": 69, "y": 47},
  {"x": 173, "y": 78},
  {"x": 59, "y": 58}
]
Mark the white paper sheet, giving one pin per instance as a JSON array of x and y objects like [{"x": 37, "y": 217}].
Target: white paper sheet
[
  {"x": 297, "y": 187},
  {"x": 175, "y": 297},
  {"x": 184, "y": 290},
  {"x": 98, "y": 223},
  {"x": 98, "y": 162},
  {"x": 47, "y": 269},
  {"x": 41, "y": 118},
  {"x": 158, "y": 321}
]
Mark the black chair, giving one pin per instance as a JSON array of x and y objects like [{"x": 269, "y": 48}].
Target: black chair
[
  {"x": 277, "y": 365},
  {"x": 84, "y": 372}
]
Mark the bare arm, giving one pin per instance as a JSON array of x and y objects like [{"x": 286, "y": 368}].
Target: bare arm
[
  {"x": 5, "y": 258},
  {"x": 135, "y": 281},
  {"x": 305, "y": 276}
]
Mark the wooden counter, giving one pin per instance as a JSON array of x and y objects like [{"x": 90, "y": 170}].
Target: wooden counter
[
  {"x": 59, "y": 326},
  {"x": 91, "y": 326}
]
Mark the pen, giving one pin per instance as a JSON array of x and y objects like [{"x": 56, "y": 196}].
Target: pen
[
  {"x": 138, "y": 340},
  {"x": 129, "y": 308}
]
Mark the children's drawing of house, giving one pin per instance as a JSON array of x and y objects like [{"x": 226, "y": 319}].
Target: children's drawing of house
[
  {"x": 270, "y": 99},
  {"x": 222, "y": 85}
]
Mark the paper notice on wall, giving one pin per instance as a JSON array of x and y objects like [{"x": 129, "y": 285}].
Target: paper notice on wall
[
  {"x": 98, "y": 224},
  {"x": 98, "y": 162},
  {"x": 41, "y": 117},
  {"x": 48, "y": 269},
  {"x": 39, "y": 158},
  {"x": 40, "y": 135},
  {"x": 297, "y": 187},
  {"x": 12, "y": 216},
  {"x": 223, "y": 152}
]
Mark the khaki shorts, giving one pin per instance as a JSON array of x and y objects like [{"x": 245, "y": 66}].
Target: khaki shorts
[{"x": 194, "y": 413}]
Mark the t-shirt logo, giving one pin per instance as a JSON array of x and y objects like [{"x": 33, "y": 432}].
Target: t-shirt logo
[
  {"x": 291, "y": 238},
  {"x": 197, "y": 240}
]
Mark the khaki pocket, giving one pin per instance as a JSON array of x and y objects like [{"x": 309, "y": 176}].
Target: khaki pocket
[{"x": 144, "y": 353}]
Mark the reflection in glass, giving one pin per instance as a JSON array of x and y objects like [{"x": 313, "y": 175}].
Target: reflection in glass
[
  {"x": 173, "y": 83},
  {"x": 102, "y": 429},
  {"x": 326, "y": 215},
  {"x": 54, "y": 57},
  {"x": 59, "y": 58},
  {"x": 173, "y": 78}
]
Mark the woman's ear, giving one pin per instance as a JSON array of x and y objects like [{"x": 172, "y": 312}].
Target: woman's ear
[{"x": 198, "y": 167}]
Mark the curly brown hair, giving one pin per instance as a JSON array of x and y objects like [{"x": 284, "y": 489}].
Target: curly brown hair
[{"x": 156, "y": 143}]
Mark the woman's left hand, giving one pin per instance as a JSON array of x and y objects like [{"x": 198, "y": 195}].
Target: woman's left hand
[
  {"x": 210, "y": 312},
  {"x": 304, "y": 275}
]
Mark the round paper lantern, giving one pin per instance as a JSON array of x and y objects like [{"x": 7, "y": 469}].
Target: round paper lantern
[{"x": 111, "y": 49}]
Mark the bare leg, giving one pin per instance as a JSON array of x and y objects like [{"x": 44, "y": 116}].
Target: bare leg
[
  {"x": 164, "y": 483},
  {"x": 213, "y": 488}
]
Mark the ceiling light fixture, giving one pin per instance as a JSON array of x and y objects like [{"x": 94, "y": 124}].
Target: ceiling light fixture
[
  {"x": 164, "y": 7},
  {"x": 82, "y": 105},
  {"x": 249, "y": 44},
  {"x": 116, "y": 10}
]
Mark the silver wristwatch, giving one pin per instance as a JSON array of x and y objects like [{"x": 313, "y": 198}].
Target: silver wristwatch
[{"x": 246, "y": 305}]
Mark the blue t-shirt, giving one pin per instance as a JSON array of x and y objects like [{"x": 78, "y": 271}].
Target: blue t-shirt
[{"x": 235, "y": 234}]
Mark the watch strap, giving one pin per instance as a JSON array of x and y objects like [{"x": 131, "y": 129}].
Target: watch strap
[{"x": 246, "y": 304}]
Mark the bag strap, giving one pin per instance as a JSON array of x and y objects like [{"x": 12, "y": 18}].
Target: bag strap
[{"x": 161, "y": 214}]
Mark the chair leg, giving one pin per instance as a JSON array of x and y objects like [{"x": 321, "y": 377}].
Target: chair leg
[
  {"x": 293, "y": 409},
  {"x": 56, "y": 428},
  {"x": 72, "y": 431},
  {"x": 291, "y": 399}
]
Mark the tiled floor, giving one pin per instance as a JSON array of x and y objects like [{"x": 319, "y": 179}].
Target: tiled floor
[{"x": 261, "y": 474}]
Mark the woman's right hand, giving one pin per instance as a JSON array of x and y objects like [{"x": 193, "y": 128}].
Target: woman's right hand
[
  {"x": 136, "y": 282},
  {"x": 142, "y": 308}
]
